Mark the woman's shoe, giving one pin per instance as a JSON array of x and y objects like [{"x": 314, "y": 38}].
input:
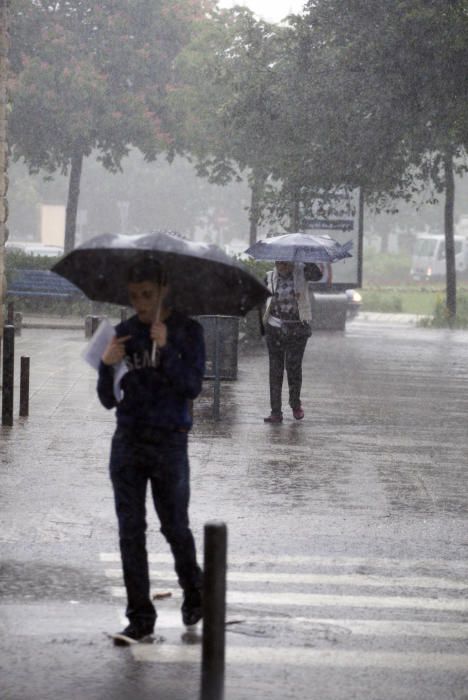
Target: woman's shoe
[
  {"x": 298, "y": 413},
  {"x": 274, "y": 418}
]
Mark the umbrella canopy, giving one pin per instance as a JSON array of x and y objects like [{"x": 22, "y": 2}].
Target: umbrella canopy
[
  {"x": 203, "y": 280},
  {"x": 300, "y": 247}
]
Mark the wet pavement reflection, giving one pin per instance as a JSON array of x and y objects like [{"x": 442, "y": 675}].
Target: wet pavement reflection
[{"x": 347, "y": 530}]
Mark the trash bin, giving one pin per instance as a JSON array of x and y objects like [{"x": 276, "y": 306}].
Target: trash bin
[{"x": 228, "y": 332}]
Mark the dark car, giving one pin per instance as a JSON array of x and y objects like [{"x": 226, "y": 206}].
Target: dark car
[{"x": 331, "y": 309}]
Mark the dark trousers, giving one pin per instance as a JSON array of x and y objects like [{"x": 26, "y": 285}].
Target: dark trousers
[
  {"x": 163, "y": 464},
  {"x": 286, "y": 347}
]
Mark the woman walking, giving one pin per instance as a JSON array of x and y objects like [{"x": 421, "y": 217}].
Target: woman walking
[{"x": 287, "y": 322}]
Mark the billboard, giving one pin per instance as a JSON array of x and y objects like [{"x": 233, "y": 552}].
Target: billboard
[{"x": 339, "y": 214}]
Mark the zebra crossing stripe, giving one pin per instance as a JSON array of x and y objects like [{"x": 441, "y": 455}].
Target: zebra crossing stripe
[
  {"x": 170, "y": 619},
  {"x": 368, "y": 562},
  {"x": 303, "y": 656},
  {"x": 320, "y": 579},
  {"x": 351, "y": 601},
  {"x": 354, "y": 601}
]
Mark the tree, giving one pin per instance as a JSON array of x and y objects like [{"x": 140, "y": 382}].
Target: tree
[
  {"x": 226, "y": 102},
  {"x": 392, "y": 112},
  {"x": 92, "y": 76}
]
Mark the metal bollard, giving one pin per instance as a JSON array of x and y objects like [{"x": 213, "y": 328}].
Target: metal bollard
[
  {"x": 87, "y": 327},
  {"x": 91, "y": 324},
  {"x": 11, "y": 314},
  {"x": 24, "y": 387},
  {"x": 214, "y": 611},
  {"x": 18, "y": 322},
  {"x": 8, "y": 374}
]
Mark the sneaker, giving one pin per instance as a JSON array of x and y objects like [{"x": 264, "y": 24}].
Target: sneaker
[
  {"x": 274, "y": 418},
  {"x": 298, "y": 413},
  {"x": 132, "y": 634},
  {"x": 192, "y": 607}
]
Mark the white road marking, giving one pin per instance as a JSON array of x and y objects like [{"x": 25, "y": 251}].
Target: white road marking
[
  {"x": 316, "y": 600},
  {"x": 319, "y": 579},
  {"x": 356, "y": 601},
  {"x": 171, "y": 619},
  {"x": 300, "y": 656},
  {"x": 373, "y": 562}
]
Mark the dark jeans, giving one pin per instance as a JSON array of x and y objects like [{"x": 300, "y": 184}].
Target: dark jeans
[
  {"x": 286, "y": 347},
  {"x": 162, "y": 461}
]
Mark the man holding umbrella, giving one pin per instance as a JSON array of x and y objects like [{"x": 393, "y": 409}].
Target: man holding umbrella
[
  {"x": 167, "y": 279},
  {"x": 149, "y": 447}
]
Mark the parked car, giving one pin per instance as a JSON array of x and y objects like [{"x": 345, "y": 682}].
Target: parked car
[{"x": 331, "y": 309}]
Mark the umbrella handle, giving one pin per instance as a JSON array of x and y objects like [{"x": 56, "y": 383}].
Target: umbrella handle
[{"x": 154, "y": 348}]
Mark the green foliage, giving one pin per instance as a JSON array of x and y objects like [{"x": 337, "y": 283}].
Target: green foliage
[
  {"x": 227, "y": 101},
  {"x": 259, "y": 268},
  {"x": 88, "y": 76},
  {"x": 15, "y": 259},
  {"x": 375, "y": 301},
  {"x": 226, "y": 97},
  {"x": 398, "y": 92},
  {"x": 386, "y": 268},
  {"x": 442, "y": 319}
]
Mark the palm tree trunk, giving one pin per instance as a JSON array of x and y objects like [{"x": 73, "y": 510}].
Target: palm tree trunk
[{"x": 72, "y": 199}]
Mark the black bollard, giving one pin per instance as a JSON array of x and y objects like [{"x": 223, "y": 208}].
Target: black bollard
[
  {"x": 11, "y": 314},
  {"x": 8, "y": 374},
  {"x": 214, "y": 611},
  {"x": 24, "y": 387},
  {"x": 95, "y": 320}
]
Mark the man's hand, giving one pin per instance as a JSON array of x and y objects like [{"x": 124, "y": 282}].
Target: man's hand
[
  {"x": 115, "y": 351},
  {"x": 159, "y": 333}
]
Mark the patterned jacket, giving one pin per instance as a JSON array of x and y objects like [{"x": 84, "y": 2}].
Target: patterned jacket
[{"x": 302, "y": 274}]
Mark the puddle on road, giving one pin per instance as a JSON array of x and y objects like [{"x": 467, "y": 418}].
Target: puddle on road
[{"x": 39, "y": 581}]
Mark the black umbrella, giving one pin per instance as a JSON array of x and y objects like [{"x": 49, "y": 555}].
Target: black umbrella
[
  {"x": 203, "y": 279},
  {"x": 300, "y": 247}
]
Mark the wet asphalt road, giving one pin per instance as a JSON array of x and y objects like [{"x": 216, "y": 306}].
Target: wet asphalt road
[{"x": 347, "y": 531}]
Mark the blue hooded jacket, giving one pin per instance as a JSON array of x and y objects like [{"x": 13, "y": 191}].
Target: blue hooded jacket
[{"x": 157, "y": 397}]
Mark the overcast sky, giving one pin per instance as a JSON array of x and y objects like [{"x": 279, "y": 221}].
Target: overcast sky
[{"x": 271, "y": 10}]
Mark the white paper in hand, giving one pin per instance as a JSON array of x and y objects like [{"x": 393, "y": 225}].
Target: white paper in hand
[{"x": 94, "y": 350}]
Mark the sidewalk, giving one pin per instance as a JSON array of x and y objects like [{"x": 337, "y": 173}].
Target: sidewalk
[
  {"x": 38, "y": 321},
  {"x": 374, "y": 473}
]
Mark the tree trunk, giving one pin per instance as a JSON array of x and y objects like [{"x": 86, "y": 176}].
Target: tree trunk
[
  {"x": 256, "y": 188},
  {"x": 360, "y": 246},
  {"x": 3, "y": 150},
  {"x": 72, "y": 200},
  {"x": 451, "y": 274},
  {"x": 295, "y": 216}
]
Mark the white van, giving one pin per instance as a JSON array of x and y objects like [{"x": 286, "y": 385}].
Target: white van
[{"x": 428, "y": 261}]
